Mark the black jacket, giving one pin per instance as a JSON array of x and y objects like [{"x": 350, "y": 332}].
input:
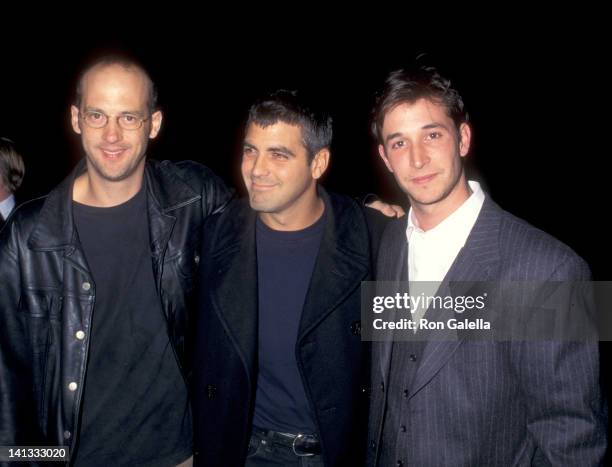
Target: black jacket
[
  {"x": 329, "y": 351},
  {"x": 47, "y": 295}
]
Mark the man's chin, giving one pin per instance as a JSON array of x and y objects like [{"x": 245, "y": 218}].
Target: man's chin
[
  {"x": 115, "y": 176},
  {"x": 261, "y": 206},
  {"x": 428, "y": 201}
]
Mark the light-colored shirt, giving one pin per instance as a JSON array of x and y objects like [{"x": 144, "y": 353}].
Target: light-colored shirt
[
  {"x": 431, "y": 253},
  {"x": 6, "y": 206}
]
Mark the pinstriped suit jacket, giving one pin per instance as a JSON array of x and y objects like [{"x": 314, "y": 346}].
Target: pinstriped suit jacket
[{"x": 494, "y": 403}]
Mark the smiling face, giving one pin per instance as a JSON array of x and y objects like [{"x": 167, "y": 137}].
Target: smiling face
[
  {"x": 278, "y": 173},
  {"x": 423, "y": 149},
  {"x": 113, "y": 153}
]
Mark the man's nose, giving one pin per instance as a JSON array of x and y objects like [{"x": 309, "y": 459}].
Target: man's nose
[
  {"x": 419, "y": 157},
  {"x": 112, "y": 131},
  {"x": 260, "y": 166}
]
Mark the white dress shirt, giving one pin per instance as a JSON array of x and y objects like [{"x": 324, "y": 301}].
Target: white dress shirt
[
  {"x": 6, "y": 206},
  {"x": 431, "y": 253}
]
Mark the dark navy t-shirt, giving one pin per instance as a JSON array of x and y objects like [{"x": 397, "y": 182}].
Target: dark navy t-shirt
[
  {"x": 135, "y": 402},
  {"x": 285, "y": 261}
]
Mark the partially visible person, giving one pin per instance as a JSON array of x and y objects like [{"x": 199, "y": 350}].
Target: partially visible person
[{"x": 12, "y": 170}]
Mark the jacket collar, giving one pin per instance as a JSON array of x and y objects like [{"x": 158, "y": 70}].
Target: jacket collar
[
  {"x": 55, "y": 230},
  {"x": 342, "y": 263},
  {"x": 167, "y": 189}
]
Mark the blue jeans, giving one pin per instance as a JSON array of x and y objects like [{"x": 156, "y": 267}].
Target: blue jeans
[{"x": 264, "y": 452}]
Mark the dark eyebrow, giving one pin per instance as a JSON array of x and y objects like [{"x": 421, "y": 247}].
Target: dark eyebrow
[
  {"x": 246, "y": 144},
  {"x": 391, "y": 136},
  {"x": 282, "y": 150},
  {"x": 434, "y": 125},
  {"x": 429, "y": 126}
]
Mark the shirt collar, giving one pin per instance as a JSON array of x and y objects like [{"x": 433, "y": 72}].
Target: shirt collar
[
  {"x": 458, "y": 224},
  {"x": 6, "y": 206}
]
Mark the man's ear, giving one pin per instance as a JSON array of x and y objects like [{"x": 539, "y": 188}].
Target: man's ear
[
  {"x": 156, "y": 121},
  {"x": 319, "y": 163},
  {"x": 465, "y": 139},
  {"x": 74, "y": 119},
  {"x": 383, "y": 156}
]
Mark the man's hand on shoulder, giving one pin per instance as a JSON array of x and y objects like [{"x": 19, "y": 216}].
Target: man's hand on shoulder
[{"x": 389, "y": 210}]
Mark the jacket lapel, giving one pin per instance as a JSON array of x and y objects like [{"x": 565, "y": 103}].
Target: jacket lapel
[
  {"x": 392, "y": 266},
  {"x": 337, "y": 271},
  {"x": 478, "y": 260},
  {"x": 235, "y": 261},
  {"x": 54, "y": 229}
]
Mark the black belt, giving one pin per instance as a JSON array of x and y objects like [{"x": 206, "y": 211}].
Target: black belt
[{"x": 301, "y": 444}]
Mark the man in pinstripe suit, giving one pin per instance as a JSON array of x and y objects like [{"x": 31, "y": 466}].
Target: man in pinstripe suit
[{"x": 476, "y": 403}]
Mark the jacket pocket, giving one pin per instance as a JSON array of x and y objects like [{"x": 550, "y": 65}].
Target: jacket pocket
[
  {"x": 40, "y": 312},
  {"x": 36, "y": 308}
]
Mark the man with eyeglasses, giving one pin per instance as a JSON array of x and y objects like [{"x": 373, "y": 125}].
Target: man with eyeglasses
[{"x": 97, "y": 285}]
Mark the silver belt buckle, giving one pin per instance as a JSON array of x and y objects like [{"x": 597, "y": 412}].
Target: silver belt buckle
[{"x": 300, "y": 436}]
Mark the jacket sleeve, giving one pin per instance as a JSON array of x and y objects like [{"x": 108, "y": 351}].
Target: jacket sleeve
[
  {"x": 17, "y": 409},
  {"x": 215, "y": 194},
  {"x": 561, "y": 387}
]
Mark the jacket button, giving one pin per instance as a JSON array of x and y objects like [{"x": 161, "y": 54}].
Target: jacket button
[
  {"x": 356, "y": 328},
  {"x": 382, "y": 386},
  {"x": 413, "y": 357},
  {"x": 67, "y": 434},
  {"x": 372, "y": 444},
  {"x": 86, "y": 286},
  {"x": 211, "y": 391},
  {"x": 196, "y": 259},
  {"x": 73, "y": 386},
  {"x": 80, "y": 335}
]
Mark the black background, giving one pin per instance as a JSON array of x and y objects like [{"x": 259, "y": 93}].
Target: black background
[{"x": 537, "y": 109}]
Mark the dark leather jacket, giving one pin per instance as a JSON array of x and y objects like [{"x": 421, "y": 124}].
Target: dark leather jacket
[{"x": 47, "y": 296}]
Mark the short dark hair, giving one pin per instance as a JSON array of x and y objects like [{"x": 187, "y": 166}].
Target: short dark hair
[
  {"x": 290, "y": 108},
  {"x": 126, "y": 62},
  {"x": 411, "y": 84},
  {"x": 12, "y": 168}
]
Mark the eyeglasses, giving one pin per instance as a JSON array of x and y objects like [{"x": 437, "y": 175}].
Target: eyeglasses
[{"x": 127, "y": 121}]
